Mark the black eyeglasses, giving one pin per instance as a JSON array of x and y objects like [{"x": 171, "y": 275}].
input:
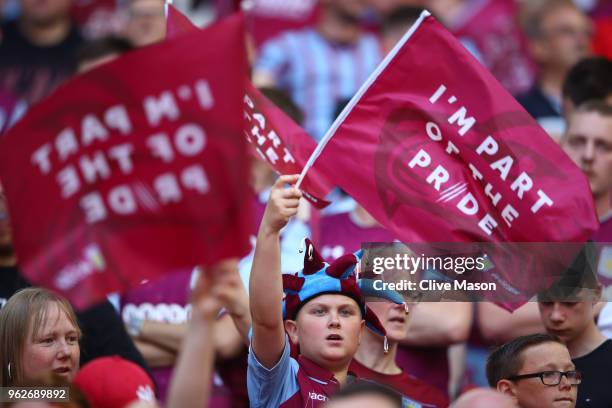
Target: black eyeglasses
[{"x": 552, "y": 377}]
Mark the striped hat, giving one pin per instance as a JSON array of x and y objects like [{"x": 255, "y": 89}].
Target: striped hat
[{"x": 320, "y": 278}]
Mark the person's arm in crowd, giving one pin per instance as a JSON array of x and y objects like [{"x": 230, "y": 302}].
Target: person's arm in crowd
[
  {"x": 266, "y": 286},
  {"x": 498, "y": 325},
  {"x": 271, "y": 62},
  {"x": 239, "y": 322},
  {"x": 229, "y": 342},
  {"x": 439, "y": 324},
  {"x": 165, "y": 335},
  {"x": 104, "y": 334},
  {"x": 232, "y": 332},
  {"x": 157, "y": 339},
  {"x": 154, "y": 355},
  {"x": 192, "y": 378}
]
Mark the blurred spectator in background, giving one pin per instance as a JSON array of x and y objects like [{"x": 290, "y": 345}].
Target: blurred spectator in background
[
  {"x": 395, "y": 24},
  {"x": 97, "y": 18},
  {"x": 589, "y": 79},
  {"x": 146, "y": 22},
  {"x": 489, "y": 29},
  {"x": 567, "y": 310},
  {"x": 321, "y": 66},
  {"x": 386, "y": 7},
  {"x": 96, "y": 52},
  {"x": 37, "y": 51},
  {"x": 558, "y": 34},
  {"x": 588, "y": 142}
]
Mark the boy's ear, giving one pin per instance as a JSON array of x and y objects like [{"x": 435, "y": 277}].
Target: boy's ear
[
  {"x": 361, "y": 329},
  {"x": 291, "y": 329},
  {"x": 506, "y": 387}
]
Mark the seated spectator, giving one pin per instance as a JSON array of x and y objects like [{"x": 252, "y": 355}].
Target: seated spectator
[
  {"x": 558, "y": 35},
  {"x": 39, "y": 333},
  {"x": 536, "y": 371},
  {"x": 567, "y": 311},
  {"x": 483, "y": 398},
  {"x": 365, "y": 394}
]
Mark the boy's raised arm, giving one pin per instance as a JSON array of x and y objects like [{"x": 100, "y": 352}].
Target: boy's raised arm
[{"x": 266, "y": 286}]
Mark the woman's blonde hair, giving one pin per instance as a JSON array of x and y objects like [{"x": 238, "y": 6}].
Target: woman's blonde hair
[{"x": 26, "y": 307}]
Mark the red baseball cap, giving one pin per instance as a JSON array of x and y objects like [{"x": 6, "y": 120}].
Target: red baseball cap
[{"x": 113, "y": 382}]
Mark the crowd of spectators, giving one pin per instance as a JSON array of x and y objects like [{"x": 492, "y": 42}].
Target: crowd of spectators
[{"x": 220, "y": 337}]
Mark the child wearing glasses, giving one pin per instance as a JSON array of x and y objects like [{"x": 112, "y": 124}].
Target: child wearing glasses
[{"x": 536, "y": 371}]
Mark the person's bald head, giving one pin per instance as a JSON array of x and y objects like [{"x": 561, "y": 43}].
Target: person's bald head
[
  {"x": 365, "y": 394},
  {"x": 483, "y": 398}
]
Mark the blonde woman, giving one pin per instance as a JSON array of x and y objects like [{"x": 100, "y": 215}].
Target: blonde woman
[{"x": 38, "y": 334}]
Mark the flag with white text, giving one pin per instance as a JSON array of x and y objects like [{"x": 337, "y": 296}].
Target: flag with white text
[
  {"x": 128, "y": 172},
  {"x": 438, "y": 151}
]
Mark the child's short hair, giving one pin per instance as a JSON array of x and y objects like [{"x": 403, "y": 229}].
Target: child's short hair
[{"x": 506, "y": 361}]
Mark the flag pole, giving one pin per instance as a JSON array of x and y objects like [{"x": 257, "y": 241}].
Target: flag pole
[
  {"x": 355, "y": 99},
  {"x": 166, "y": 4}
]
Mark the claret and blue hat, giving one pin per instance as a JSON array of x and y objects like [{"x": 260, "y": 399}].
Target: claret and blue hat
[{"x": 320, "y": 278}]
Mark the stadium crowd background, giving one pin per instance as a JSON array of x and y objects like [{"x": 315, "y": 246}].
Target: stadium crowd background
[{"x": 310, "y": 57}]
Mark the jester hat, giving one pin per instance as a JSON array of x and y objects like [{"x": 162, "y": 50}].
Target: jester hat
[{"x": 320, "y": 278}]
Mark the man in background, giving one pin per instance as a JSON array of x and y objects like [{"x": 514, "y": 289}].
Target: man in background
[
  {"x": 37, "y": 51},
  {"x": 558, "y": 36},
  {"x": 321, "y": 66}
]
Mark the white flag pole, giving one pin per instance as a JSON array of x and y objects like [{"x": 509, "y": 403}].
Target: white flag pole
[{"x": 166, "y": 3}]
